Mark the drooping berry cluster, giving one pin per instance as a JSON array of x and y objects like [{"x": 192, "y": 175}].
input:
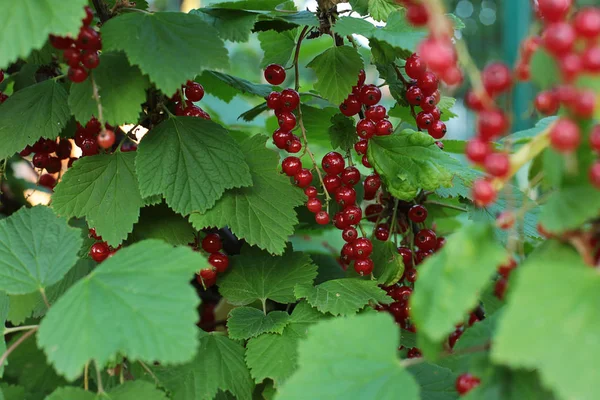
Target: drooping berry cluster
[
  {"x": 465, "y": 383},
  {"x": 100, "y": 250},
  {"x": 193, "y": 92},
  {"x": 48, "y": 155},
  {"x": 80, "y": 54},
  {"x": 218, "y": 261},
  {"x": 3, "y": 97}
]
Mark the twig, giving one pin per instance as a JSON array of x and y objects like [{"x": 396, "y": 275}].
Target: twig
[
  {"x": 99, "y": 378},
  {"x": 43, "y": 292},
  {"x": 96, "y": 96},
  {"x": 438, "y": 203},
  {"x": 470, "y": 350},
  {"x": 149, "y": 371},
  {"x": 101, "y": 10},
  {"x": 8, "y": 331},
  {"x": 86, "y": 376},
  {"x": 16, "y": 344}
]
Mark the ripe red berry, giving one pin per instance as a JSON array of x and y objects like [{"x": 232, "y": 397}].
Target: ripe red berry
[
  {"x": 406, "y": 254},
  {"x": 565, "y": 136},
  {"x": 413, "y": 353},
  {"x": 473, "y": 101},
  {"x": 303, "y": 178},
  {"x": 332, "y": 182},
  {"x": 281, "y": 138},
  {"x": 438, "y": 53},
  {"x": 382, "y": 232},
  {"x": 88, "y": 39},
  {"x": 370, "y": 95},
  {"x": 373, "y": 212},
  {"x": 491, "y": 124},
  {"x": 314, "y": 205},
  {"x": 310, "y": 192},
  {"x": 333, "y": 163},
  {"x": 584, "y": 104},
  {"x": 559, "y": 38},
  {"x": 497, "y": 164},
  {"x": 415, "y": 67},
  {"x": 349, "y": 234},
  {"x": 60, "y": 42},
  {"x": 361, "y": 146},
  {"x": 99, "y": 251},
  {"x": 345, "y": 196},
  {"x": 372, "y": 182},
  {"x": 362, "y": 248},
  {"x": 287, "y": 121},
  {"x": 194, "y": 91},
  {"x": 497, "y": 78},
  {"x": 483, "y": 192},
  {"x": 362, "y": 76},
  {"x": 365, "y": 128},
  {"x": 417, "y": 213},
  {"x": 219, "y": 261},
  {"x": 428, "y": 83},
  {"x": 417, "y": 14},
  {"x": 570, "y": 66},
  {"x": 72, "y": 57},
  {"x": 53, "y": 165},
  {"x": 500, "y": 288},
  {"x": 44, "y": 146},
  {"x": 364, "y": 266},
  {"x": 289, "y": 99},
  {"x": 26, "y": 151},
  {"x": 435, "y": 113},
  {"x": 291, "y": 165},
  {"x": 208, "y": 274},
  {"x": 350, "y": 176},
  {"x": 340, "y": 222},
  {"x": 376, "y": 113},
  {"x": 294, "y": 145},
  {"x": 594, "y": 174},
  {"x": 428, "y": 103},
  {"x": 547, "y": 103},
  {"x": 63, "y": 149},
  {"x": 587, "y": 23},
  {"x": 384, "y": 128},
  {"x": 273, "y": 100},
  {"x": 424, "y": 120},
  {"x": 554, "y": 10},
  {"x": 212, "y": 243},
  {"x": 40, "y": 160},
  {"x": 106, "y": 139},
  {"x": 275, "y": 74},
  {"x": 437, "y": 130},
  {"x": 322, "y": 218},
  {"x": 595, "y": 138},
  {"x": 89, "y": 146},
  {"x": 414, "y": 95},
  {"x": 506, "y": 268},
  {"x": 90, "y": 59},
  {"x": 89, "y": 16},
  {"x": 522, "y": 71},
  {"x": 453, "y": 76},
  {"x": 351, "y": 106},
  {"x": 77, "y": 74},
  {"x": 47, "y": 181},
  {"x": 426, "y": 239},
  {"x": 590, "y": 59}
]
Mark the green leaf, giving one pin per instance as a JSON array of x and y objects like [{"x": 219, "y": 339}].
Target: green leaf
[
  {"x": 275, "y": 356},
  {"x": 317, "y": 122},
  {"x": 256, "y": 275},
  {"x": 131, "y": 296},
  {"x": 536, "y": 301},
  {"x": 342, "y": 132},
  {"x": 22, "y": 306},
  {"x": 190, "y": 161},
  {"x": 437, "y": 383},
  {"x": 25, "y": 26},
  {"x": 160, "y": 222},
  {"x": 218, "y": 365},
  {"x": 525, "y": 135},
  {"x": 337, "y": 71},
  {"x": 104, "y": 190},
  {"x": 399, "y": 33},
  {"x": 360, "y": 6},
  {"x": 446, "y": 289},
  {"x": 127, "y": 391},
  {"x": 445, "y": 105},
  {"x": 39, "y": 110},
  {"x": 505, "y": 384},
  {"x": 544, "y": 69},
  {"x": 410, "y": 161},
  {"x": 252, "y": 213},
  {"x": 277, "y": 46},
  {"x": 347, "y": 25},
  {"x": 121, "y": 87},
  {"x": 234, "y": 25},
  {"x": 563, "y": 210},
  {"x": 12, "y": 392},
  {"x": 381, "y": 9},
  {"x": 248, "y": 322},
  {"x": 71, "y": 393},
  {"x": 239, "y": 84},
  {"x": 36, "y": 250},
  {"x": 389, "y": 266},
  {"x": 342, "y": 296},
  {"x": 186, "y": 38},
  {"x": 350, "y": 358}
]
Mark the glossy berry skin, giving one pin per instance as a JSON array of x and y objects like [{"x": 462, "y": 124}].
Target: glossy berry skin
[
  {"x": 219, "y": 260},
  {"x": 291, "y": 165},
  {"x": 491, "y": 124},
  {"x": 314, "y": 205},
  {"x": 413, "y": 353},
  {"x": 370, "y": 95},
  {"x": 77, "y": 74},
  {"x": 565, "y": 136},
  {"x": 497, "y": 78},
  {"x": 26, "y": 151},
  {"x": 60, "y": 42},
  {"x": 274, "y": 100},
  {"x": 365, "y": 128},
  {"x": 99, "y": 251},
  {"x": 362, "y": 248},
  {"x": 350, "y": 176},
  {"x": 345, "y": 196},
  {"x": 438, "y": 53},
  {"x": 351, "y": 106},
  {"x": 90, "y": 59},
  {"x": 375, "y": 113},
  {"x": 373, "y": 211},
  {"x": 401, "y": 293},
  {"x": 311, "y": 192},
  {"x": 212, "y": 243},
  {"x": 415, "y": 67},
  {"x": 289, "y": 99},
  {"x": 477, "y": 150},
  {"x": 340, "y": 222},
  {"x": 72, "y": 57},
  {"x": 414, "y": 95},
  {"x": 372, "y": 182},
  {"x": 89, "y": 146},
  {"x": 428, "y": 103},
  {"x": 364, "y": 266},
  {"x": 332, "y": 182},
  {"x": 483, "y": 193},
  {"x": 44, "y": 146},
  {"x": 426, "y": 240},
  {"x": 361, "y": 146},
  {"x": 424, "y": 120},
  {"x": 333, "y": 163},
  {"x": 437, "y": 130},
  {"x": 281, "y": 138},
  {"x": 40, "y": 160},
  {"x": 286, "y": 121},
  {"x": 497, "y": 164},
  {"x": 303, "y": 178},
  {"x": 53, "y": 165},
  {"x": 274, "y": 74},
  {"x": 559, "y": 38},
  {"x": 384, "y": 128},
  {"x": 382, "y": 232},
  {"x": 322, "y": 218},
  {"x": 88, "y": 39},
  {"x": 546, "y": 103},
  {"x": 293, "y": 146},
  {"x": 594, "y": 174},
  {"x": 208, "y": 274},
  {"x": 194, "y": 91},
  {"x": 47, "y": 181},
  {"x": 406, "y": 254},
  {"x": 428, "y": 83},
  {"x": 553, "y": 10},
  {"x": 417, "y": 14},
  {"x": 349, "y": 234},
  {"x": 106, "y": 139},
  {"x": 417, "y": 213}
]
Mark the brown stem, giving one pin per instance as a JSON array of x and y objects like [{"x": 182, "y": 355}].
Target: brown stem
[
  {"x": 16, "y": 344},
  {"x": 101, "y": 10}
]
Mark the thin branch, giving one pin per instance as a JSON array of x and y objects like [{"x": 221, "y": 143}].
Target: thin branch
[
  {"x": 470, "y": 350},
  {"x": 101, "y": 10},
  {"x": 86, "y": 376},
  {"x": 99, "y": 378},
  {"x": 437, "y": 203},
  {"x": 43, "y": 292},
  {"x": 18, "y": 329},
  {"x": 149, "y": 371},
  {"x": 16, "y": 344},
  {"x": 96, "y": 96}
]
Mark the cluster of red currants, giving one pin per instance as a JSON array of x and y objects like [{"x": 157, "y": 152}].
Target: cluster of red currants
[
  {"x": 218, "y": 261},
  {"x": 91, "y": 137},
  {"x": 48, "y": 155},
  {"x": 3, "y": 97},
  {"x": 80, "y": 54},
  {"x": 465, "y": 383},
  {"x": 423, "y": 92},
  {"x": 100, "y": 250},
  {"x": 193, "y": 92}
]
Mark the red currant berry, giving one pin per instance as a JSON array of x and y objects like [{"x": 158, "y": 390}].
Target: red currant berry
[
  {"x": 372, "y": 183},
  {"x": 340, "y": 222},
  {"x": 417, "y": 213},
  {"x": 414, "y": 95},
  {"x": 497, "y": 164},
  {"x": 40, "y": 160},
  {"x": 376, "y": 113},
  {"x": 89, "y": 146},
  {"x": 287, "y": 121},
  {"x": 436, "y": 113},
  {"x": 351, "y": 106},
  {"x": 483, "y": 193},
  {"x": 362, "y": 248},
  {"x": 72, "y": 57},
  {"x": 332, "y": 183},
  {"x": 60, "y": 42},
  {"x": 370, "y": 95},
  {"x": 453, "y": 76},
  {"x": 291, "y": 165},
  {"x": 44, "y": 146},
  {"x": 428, "y": 103},
  {"x": 310, "y": 192},
  {"x": 99, "y": 251},
  {"x": 382, "y": 232},
  {"x": 208, "y": 274},
  {"x": 594, "y": 174},
  {"x": 497, "y": 78},
  {"x": 361, "y": 146},
  {"x": 345, "y": 196},
  {"x": 362, "y": 76},
  {"x": 500, "y": 288},
  {"x": 274, "y": 100},
  {"x": 275, "y": 74},
  {"x": 591, "y": 59},
  {"x": 350, "y": 176},
  {"x": 26, "y": 151},
  {"x": 426, "y": 239},
  {"x": 212, "y": 243},
  {"x": 89, "y": 17},
  {"x": 506, "y": 268},
  {"x": 106, "y": 139},
  {"x": 194, "y": 91},
  {"x": 88, "y": 39},
  {"x": 364, "y": 266},
  {"x": 570, "y": 66},
  {"x": 437, "y": 53},
  {"x": 281, "y": 138},
  {"x": 303, "y": 178},
  {"x": 352, "y": 215},
  {"x": 565, "y": 136},
  {"x": 349, "y": 234},
  {"x": 77, "y": 74},
  {"x": 505, "y": 220},
  {"x": 219, "y": 261},
  {"x": 474, "y": 101},
  {"x": 413, "y": 353},
  {"x": 365, "y": 128},
  {"x": 47, "y": 181},
  {"x": 428, "y": 83},
  {"x": 559, "y": 38},
  {"x": 289, "y": 99},
  {"x": 322, "y": 218},
  {"x": 401, "y": 293},
  {"x": 477, "y": 150},
  {"x": 454, "y": 336},
  {"x": 348, "y": 250},
  {"x": 384, "y": 128},
  {"x": 424, "y": 120},
  {"x": 53, "y": 165},
  {"x": 587, "y": 23},
  {"x": 584, "y": 104},
  {"x": 553, "y": 10},
  {"x": 333, "y": 163},
  {"x": 437, "y": 130},
  {"x": 491, "y": 124},
  {"x": 415, "y": 67},
  {"x": 314, "y": 205},
  {"x": 90, "y": 59},
  {"x": 595, "y": 138},
  {"x": 547, "y": 103},
  {"x": 294, "y": 146},
  {"x": 417, "y": 14},
  {"x": 406, "y": 254}
]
